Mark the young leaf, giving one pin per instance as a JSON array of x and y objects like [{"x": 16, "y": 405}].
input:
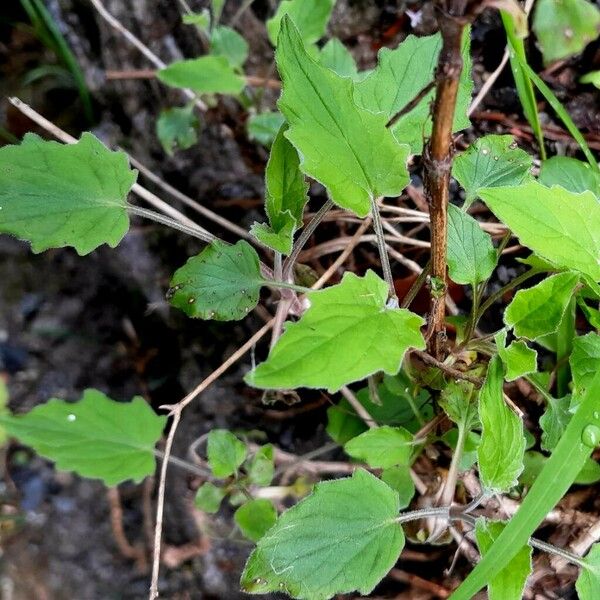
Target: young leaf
[
  {"x": 585, "y": 361},
  {"x": 538, "y": 310},
  {"x": 592, "y": 77},
  {"x": 55, "y": 195},
  {"x": 401, "y": 74},
  {"x": 205, "y": 75},
  {"x": 399, "y": 479},
  {"x": 285, "y": 196},
  {"x": 509, "y": 583},
  {"x": 309, "y": 16},
  {"x": 538, "y": 217},
  {"x": 335, "y": 56},
  {"x": 95, "y": 437},
  {"x": 217, "y": 9},
  {"x": 209, "y": 497},
  {"x": 471, "y": 254},
  {"x": 255, "y": 518},
  {"x": 201, "y": 20},
  {"x": 565, "y": 27},
  {"x": 518, "y": 358},
  {"x": 555, "y": 478},
  {"x": 177, "y": 128},
  {"x": 358, "y": 335},
  {"x": 588, "y": 582},
  {"x": 225, "y": 452},
  {"x": 264, "y": 127},
  {"x": 554, "y": 421},
  {"x": 222, "y": 283},
  {"x": 261, "y": 468},
  {"x": 572, "y": 174},
  {"x": 382, "y": 447},
  {"x": 500, "y": 453},
  {"x": 458, "y": 403},
  {"x": 314, "y": 551},
  {"x": 346, "y": 148},
  {"x": 491, "y": 161},
  {"x": 227, "y": 42}
]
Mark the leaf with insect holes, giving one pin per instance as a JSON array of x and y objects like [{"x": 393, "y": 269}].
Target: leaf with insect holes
[
  {"x": 554, "y": 421},
  {"x": 95, "y": 437},
  {"x": 565, "y": 27},
  {"x": 401, "y": 74},
  {"x": 510, "y": 582},
  {"x": 204, "y": 75},
  {"x": 500, "y": 453},
  {"x": 285, "y": 196},
  {"x": 585, "y": 360},
  {"x": 177, "y": 128},
  {"x": 209, "y": 497},
  {"x": 264, "y": 127},
  {"x": 309, "y": 16},
  {"x": 225, "y": 452},
  {"x": 560, "y": 226},
  {"x": 341, "y": 538},
  {"x": 55, "y": 195},
  {"x": 491, "y": 161},
  {"x": 538, "y": 310},
  {"x": 347, "y": 334},
  {"x": 471, "y": 253},
  {"x": 588, "y": 582},
  {"x": 572, "y": 174},
  {"x": 346, "y": 148},
  {"x": 518, "y": 358},
  {"x": 255, "y": 518},
  {"x": 227, "y": 42},
  {"x": 382, "y": 447},
  {"x": 335, "y": 56},
  {"x": 222, "y": 283}
]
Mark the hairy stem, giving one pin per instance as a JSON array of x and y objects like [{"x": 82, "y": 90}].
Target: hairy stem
[{"x": 383, "y": 254}]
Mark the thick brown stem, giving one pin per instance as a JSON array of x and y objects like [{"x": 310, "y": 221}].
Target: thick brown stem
[{"x": 438, "y": 155}]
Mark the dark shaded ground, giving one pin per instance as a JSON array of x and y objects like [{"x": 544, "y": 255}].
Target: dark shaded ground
[{"x": 68, "y": 323}]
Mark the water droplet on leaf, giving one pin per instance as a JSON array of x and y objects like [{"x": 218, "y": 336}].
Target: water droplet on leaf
[{"x": 590, "y": 436}]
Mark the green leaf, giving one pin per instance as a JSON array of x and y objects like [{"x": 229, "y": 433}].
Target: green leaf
[
  {"x": 589, "y": 474},
  {"x": 217, "y": 8},
  {"x": 205, "y": 75},
  {"x": 469, "y": 452},
  {"x": 227, "y": 42},
  {"x": 95, "y": 437},
  {"x": 539, "y": 218},
  {"x": 209, "y": 497},
  {"x": 285, "y": 197},
  {"x": 315, "y": 551},
  {"x": 309, "y": 16},
  {"x": 201, "y": 20},
  {"x": 400, "y": 480},
  {"x": 518, "y": 358},
  {"x": 500, "y": 453},
  {"x": 565, "y": 27},
  {"x": 255, "y": 518},
  {"x": 225, "y": 452},
  {"x": 591, "y": 314},
  {"x": 358, "y": 335},
  {"x": 382, "y": 447},
  {"x": 491, "y": 161},
  {"x": 3, "y": 409},
  {"x": 509, "y": 583},
  {"x": 592, "y": 77},
  {"x": 55, "y": 195},
  {"x": 334, "y": 137},
  {"x": 471, "y": 253},
  {"x": 335, "y": 56},
  {"x": 572, "y": 174},
  {"x": 585, "y": 361},
  {"x": 264, "y": 127},
  {"x": 177, "y": 128},
  {"x": 222, "y": 283},
  {"x": 262, "y": 468},
  {"x": 588, "y": 582},
  {"x": 554, "y": 421},
  {"x": 553, "y": 482},
  {"x": 538, "y": 310},
  {"x": 400, "y": 75},
  {"x": 458, "y": 403}
]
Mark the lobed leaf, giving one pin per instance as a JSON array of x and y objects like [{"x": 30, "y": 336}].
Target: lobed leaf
[
  {"x": 95, "y": 437},
  {"x": 225, "y": 452},
  {"x": 518, "y": 358},
  {"x": 55, "y": 195},
  {"x": 341, "y": 538}
]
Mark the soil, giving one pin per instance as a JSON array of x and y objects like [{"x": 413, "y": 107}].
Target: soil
[{"x": 69, "y": 323}]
